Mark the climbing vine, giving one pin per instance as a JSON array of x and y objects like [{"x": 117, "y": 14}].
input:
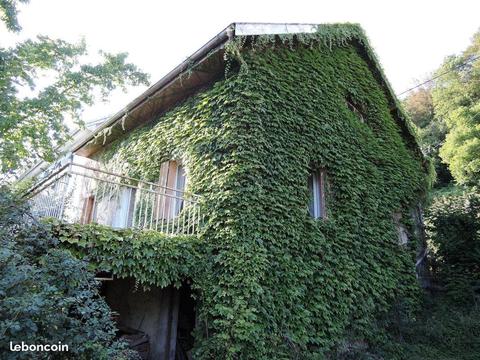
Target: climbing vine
[
  {"x": 150, "y": 257},
  {"x": 272, "y": 282}
]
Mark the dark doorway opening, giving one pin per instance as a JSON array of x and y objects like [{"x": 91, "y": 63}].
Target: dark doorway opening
[
  {"x": 186, "y": 322},
  {"x": 158, "y": 323}
]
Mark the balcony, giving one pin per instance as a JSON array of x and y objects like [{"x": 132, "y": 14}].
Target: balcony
[{"x": 77, "y": 190}]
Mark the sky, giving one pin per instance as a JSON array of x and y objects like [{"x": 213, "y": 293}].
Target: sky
[{"x": 411, "y": 38}]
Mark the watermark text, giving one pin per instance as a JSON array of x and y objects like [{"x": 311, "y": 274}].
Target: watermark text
[{"x": 38, "y": 347}]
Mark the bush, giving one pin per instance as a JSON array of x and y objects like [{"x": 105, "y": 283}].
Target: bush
[
  {"x": 46, "y": 295},
  {"x": 447, "y": 324},
  {"x": 453, "y": 228},
  {"x": 440, "y": 331}
]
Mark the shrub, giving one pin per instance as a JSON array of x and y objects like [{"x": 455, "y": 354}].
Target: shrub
[
  {"x": 46, "y": 295},
  {"x": 453, "y": 228}
]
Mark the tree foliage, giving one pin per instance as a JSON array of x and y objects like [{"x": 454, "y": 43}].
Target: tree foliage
[
  {"x": 447, "y": 324},
  {"x": 9, "y": 13},
  {"x": 447, "y": 117},
  {"x": 456, "y": 97},
  {"x": 453, "y": 226},
  {"x": 419, "y": 105},
  {"x": 438, "y": 331},
  {"x": 431, "y": 130},
  {"x": 47, "y": 295},
  {"x": 45, "y": 81}
]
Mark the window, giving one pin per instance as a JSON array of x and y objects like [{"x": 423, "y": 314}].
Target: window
[
  {"x": 403, "y": 235},
  {"x": 180, "y": 187},
  {"x": 123, "y": 212},
  {"x": 316, "y": 186},
  {"x": 172, "y": 184},
  {"x": 88, "y": 209},
  {"x": 357, "y": 110}
]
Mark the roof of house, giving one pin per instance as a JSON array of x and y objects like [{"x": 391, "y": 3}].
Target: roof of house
[{"x": 205, "y": 66}]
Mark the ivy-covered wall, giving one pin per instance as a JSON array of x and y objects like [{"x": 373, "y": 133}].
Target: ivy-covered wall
[{"x": 271, "y": 281}]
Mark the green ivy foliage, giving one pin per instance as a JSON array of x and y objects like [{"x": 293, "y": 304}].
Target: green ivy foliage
[
  {"x": 447, "y": 325},
  {"x": 272, "y": 282},
  {"x": 152, "y": 258}
]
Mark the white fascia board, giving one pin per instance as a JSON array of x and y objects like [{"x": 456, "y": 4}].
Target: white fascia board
[{"x": 246, "y": 29}]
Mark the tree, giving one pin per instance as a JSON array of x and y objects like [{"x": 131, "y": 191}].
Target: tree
[
  {"x": 456, "y": 97},
  {"x": 431, "y": 130},
  {"x": 419, "y": 105},
  {"x": 33, "y": 116},
  {"x": 48, "y": 296},
  {"x": 8, "y": 13},
  {"x": 453, "y": 228}
]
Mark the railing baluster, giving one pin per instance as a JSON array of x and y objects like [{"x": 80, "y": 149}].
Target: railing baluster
[
  {"x": 145, "y": 211},
  {"x": 129, "y": 194},
  {"x": 101, "y": 200},
  {"x": 157, "y": 207},
  {"x": 95, "y": 203},
  {"x": 184, "y": 210},
  {"x": 141, "y": 206},
  {"x": 108, "y": 211},
  {"x": 51, "y": 203},
  {"x": 134, "y": 212},
  {"x": 192, "y": 219},
  {"x": 194, "y": 208},
  {"x": 162, "y": 216},
  {"x": 60, "y": 215},
  {"x": 67, "y": 195},
  {"x": 168, "y": 213},
  {"x": 47, "y": 202},
  {"x": 152, "y": 208}
]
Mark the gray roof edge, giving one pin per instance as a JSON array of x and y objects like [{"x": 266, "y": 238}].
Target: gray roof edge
[
  {"x": 198, "y": 55},
  {"x": 234, "y": 29},
  {"x": 229, "y": 32}
]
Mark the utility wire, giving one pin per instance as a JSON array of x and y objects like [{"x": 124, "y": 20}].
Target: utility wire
[{"x": 442, "y": 74}]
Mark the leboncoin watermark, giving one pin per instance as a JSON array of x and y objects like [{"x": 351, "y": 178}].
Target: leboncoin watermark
[{"x": 39, "y": 347}]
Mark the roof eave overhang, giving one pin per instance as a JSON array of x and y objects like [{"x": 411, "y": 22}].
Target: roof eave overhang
[{"x": 202, "y": 68}]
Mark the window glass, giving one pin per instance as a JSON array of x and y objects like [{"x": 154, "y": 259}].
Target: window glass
[
  {"x": 180, "y": 187},
  {"x": 317, "y": 194},
  {"x": 172, "y": 186}
]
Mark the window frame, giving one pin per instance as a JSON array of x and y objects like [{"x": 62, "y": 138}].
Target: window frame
[
  {"x": 171, "y": 172},
  {"x": 357, "y": 110}
]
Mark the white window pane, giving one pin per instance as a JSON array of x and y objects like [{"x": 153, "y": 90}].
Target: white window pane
[
  {"x": 180, "y": 186},
  {"x": 315, "y": 186}
]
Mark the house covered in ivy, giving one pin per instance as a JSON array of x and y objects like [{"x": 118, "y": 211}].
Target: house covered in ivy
[{"x": 261, "y": 201}]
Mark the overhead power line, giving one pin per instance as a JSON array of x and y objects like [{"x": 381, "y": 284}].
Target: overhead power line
[{"x": 441, "y": 74}]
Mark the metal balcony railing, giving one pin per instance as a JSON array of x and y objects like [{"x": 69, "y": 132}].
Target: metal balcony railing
[{"x": 81, "y": 193}]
